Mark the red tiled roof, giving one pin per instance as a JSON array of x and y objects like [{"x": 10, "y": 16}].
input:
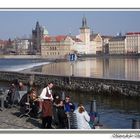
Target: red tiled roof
[
  {"x": 133, "y": 33},
  {"x": 3, "y": 42},
  {"x": 60, "y": 38},
  {"x": 47, "y": 39},
  {"x": 55, "y": 38}
]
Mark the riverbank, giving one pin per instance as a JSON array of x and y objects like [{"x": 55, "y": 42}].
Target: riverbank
[
  {"x": 109, "y": 56},
  {"x": 98, "y": 86},
  {"x": 31, "y": 57},
  {"x": 79, "y": 56},
  {"x": 20, "y": 56}
]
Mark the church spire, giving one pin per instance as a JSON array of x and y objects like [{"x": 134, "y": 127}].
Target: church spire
[
  {"x": 84, "y": 22},
  {"x": 85, "y": 31},
  {"x": 37, "y": 25}
]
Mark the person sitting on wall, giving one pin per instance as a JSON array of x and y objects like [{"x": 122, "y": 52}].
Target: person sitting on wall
[
  {"x": 19, "y": 87},
  {"x": 32, "y": 99},
  {"x": 34, "y": 102},
  {"x": 13, "y": 94},
  {"x": 10, "y": 94},
  {"x": 22, "y": 87}
]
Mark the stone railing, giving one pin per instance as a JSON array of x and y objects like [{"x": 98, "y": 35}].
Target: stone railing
[{"x": 82, "y": 84}]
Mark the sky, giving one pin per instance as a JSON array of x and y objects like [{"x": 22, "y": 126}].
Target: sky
[{"x": 20, "y": 23}]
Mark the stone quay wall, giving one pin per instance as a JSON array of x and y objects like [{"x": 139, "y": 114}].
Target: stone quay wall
[{"x": 80, "y": 84}]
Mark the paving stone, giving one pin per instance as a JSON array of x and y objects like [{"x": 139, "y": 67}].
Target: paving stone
[{"x": 9, "y": 119}]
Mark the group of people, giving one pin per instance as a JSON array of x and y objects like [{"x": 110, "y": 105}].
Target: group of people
[
  {"x": 53, "y": 108},
  {"x": 57, "y": 108},
  {"x": 13, "y": 96}
]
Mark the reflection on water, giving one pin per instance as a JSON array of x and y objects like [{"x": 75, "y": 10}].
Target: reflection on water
[
  {"x": 116, "y": 68},
  {"x": 115, "y": 112}
]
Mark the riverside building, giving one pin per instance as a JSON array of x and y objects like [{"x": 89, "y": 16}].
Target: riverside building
[
  {"x": 22, "y": 46},
  {"x": 56, "y": 46},
  {"x": 105, "y": 43},
  {"x": 128, "y": 44},
  {"x": 117, "y": 45},
  {"x": 133, "y": 42},
  {"x": 90, "y": 43},
  {"x": 60, "y": 46}
]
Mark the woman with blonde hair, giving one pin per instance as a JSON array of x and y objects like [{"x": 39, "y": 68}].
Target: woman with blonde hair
[{"x": 82, "y": 117}]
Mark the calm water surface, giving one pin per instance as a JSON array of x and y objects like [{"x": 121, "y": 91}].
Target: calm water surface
[
  {"x": 114, "y": 68},
  {"x": 115, "y": 112}
]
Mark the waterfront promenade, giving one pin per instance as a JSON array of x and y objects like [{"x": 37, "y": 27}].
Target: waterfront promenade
[{"x": 9, "y": 119}]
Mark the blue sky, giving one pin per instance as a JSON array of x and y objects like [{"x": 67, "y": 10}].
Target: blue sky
[{"x": 20, "y": 23}]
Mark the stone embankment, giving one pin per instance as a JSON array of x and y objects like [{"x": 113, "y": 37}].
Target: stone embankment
[
  {"x": 20, "y": 56},
  {"x": 81, "y": 84}
]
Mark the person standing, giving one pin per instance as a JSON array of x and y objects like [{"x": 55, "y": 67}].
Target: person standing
[
  {"x": 61, "y": 115},
  {"x": 69, "y": 108},
  {"x": 82, "y": 117},
  {"x": 68, "y": 105},
  {"x": 47, "y": 106}
]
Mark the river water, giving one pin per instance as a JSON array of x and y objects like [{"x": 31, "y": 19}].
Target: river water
[
  {"x": 114, "y": 68},
  {"x": 115, "y": 112}
]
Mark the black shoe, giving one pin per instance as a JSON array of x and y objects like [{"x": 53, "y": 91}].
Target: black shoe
[{"x": 49, "y": 127}]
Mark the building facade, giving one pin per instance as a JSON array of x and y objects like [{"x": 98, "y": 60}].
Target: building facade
[
  {"x": 56, "y": 47},
  {"x": 77, "y": 45},
  {"x": 22, "y": 46},
  {"x": 8, "y": 47},
  {"x": 95, "y": 44},
  {"x": 105, "y": 43},
  {"x": 60, "y": 46},
  {"x": 117, "y": 45},
  {"x": 133, "y": 42},
  {"x": 3, "y": 44}
]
